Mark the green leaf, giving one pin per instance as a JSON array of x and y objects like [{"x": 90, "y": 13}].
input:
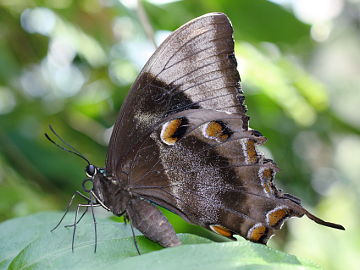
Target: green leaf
[
  {"x": 27, "y": 243},
  {"x": 17, "y": 233},
  {"x": 230, "y": 255}
]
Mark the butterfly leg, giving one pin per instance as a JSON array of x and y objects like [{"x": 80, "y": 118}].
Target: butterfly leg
[
  {"x": 82, "y": 215},
  {"x": 134, "y": 238},
  {"x": 68, "y": 207},
  {"x": 91, "y": 205},
  {"x": 152, "y": 223},
  {"x": 94, "y": 220},
  {"x": 126, "y": 221}
]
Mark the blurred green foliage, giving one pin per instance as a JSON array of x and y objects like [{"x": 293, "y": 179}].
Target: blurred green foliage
[{"x": 70, "y": 64}]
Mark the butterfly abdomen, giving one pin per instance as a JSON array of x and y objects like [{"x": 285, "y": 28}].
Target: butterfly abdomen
[{"x": 151, "y": 222}]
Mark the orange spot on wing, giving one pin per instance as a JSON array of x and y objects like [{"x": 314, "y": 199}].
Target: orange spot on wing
[
  {"x": 257, "y": 232},
  {"x": 215, "y": 130},
  {"x": 251, "y": 151},
  {"x": 169, "y": 130},
  {"x": 268, "y": 174},
  {"x": 221, "y": 230},
  {"x": 274, "y": 217}
]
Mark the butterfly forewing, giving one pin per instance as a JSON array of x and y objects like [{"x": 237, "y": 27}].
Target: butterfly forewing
[{"x": 193, "y": 68}]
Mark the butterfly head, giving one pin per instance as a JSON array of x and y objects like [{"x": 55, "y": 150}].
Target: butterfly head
[
  {"x": 97, "y": 184},
  {"x": 90, "y": 170}
]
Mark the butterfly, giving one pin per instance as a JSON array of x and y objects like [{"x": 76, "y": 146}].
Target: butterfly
[{"x": 182, "y": 141}]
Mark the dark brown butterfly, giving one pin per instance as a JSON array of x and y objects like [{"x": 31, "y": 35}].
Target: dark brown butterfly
[{"x": 182, "y": 141}]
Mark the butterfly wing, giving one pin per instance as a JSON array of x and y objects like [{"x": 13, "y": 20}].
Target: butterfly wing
[
  {"x": 182, "y": 138},
  {"x": 194, "y": 67}
]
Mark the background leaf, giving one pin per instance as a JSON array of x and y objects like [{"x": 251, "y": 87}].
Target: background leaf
[{"x": 35, "y": 247}]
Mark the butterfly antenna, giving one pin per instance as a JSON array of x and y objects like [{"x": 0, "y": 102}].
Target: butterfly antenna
[
  {"x": 71, "y": 150},
  {"x": 63, "y": 141}
]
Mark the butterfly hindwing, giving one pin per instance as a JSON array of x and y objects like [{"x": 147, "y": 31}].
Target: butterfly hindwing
[{"x": 213, "y": 176}]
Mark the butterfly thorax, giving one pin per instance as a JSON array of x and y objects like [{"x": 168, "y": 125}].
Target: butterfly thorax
[{"x": 111, "y": 192}]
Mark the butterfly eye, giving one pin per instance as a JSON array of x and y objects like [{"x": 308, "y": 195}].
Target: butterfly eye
[{"x": 90, "y": 170}]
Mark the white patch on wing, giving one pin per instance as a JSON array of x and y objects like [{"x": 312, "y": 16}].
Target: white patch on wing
[
  {"x": 244, "y": 148},
  {"x": 162, "y": 134},
  {"x": 143, "y": 119}
]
